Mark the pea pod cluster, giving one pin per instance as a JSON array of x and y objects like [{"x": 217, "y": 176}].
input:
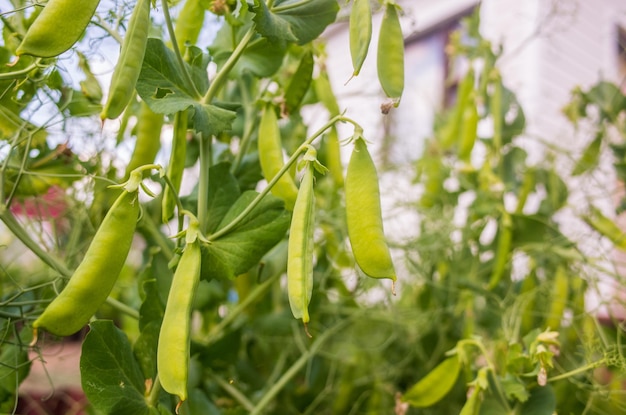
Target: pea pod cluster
[
  {"x": 59, "y": 26},
  {"x": 364, "y": 215},
  {"x": 97, "y": 273},
  {"x": 128, "y": 67},
  {"x": 174, "y": 342}
]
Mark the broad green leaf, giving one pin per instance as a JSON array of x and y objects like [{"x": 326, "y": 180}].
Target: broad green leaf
[
  {"x": 161, "y": 83},
  {"x": 240, "y": 249},
  {"x": 14, "y": 367},
  {"x": 211, "y": 120},
  {"x": 536, "y": 232},
  {"x": 260, "y": 57},
  {"x": 110, "y": 375},
  {"x": 609, "y": 99},
  {"x": 514, "y": 388},
  {"x": 542, "y": 401},
  {"x": 435, "y": 385},
  {"x": 294, "y": 20}
]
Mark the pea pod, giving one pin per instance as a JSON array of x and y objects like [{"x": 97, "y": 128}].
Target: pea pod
[
  {"x": 605, "y": 227},
  {"x": 97, "y": 273},
  {"x": 271, "y": 157},
  {"x": 58, "y": 27},
  {"x": 176, "y": 165},
  {"x": 364, "y": 215},
  {"x": 502, "y": 251},
  {"x": 128, "y": 67},
  {"x": 390, "y": 54},
  {"x": 300, "y": 248},
  {"x": 324, "y": 92},
  {"x": 450, "y": 132},
  {"x": 558, "y": 300},
  {"x": 189, "y": 23},
  {"x": 299, "y": 83},
  {"x": 148, "y": 132},
  {"x": 435, "y": 385},
  {"x": 333, "y": 156},
  {"x": 360, "y": 33},
  {"x": 174, "y": 338},
  {"x": 469, "y": 131},
  {"x": 496, "y": 111}
]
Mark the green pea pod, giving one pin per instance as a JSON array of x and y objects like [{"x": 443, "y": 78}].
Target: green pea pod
[
  {"x": 605, "y": 227},
  {"x": 300, "y": 248},
  {"x": 176, "y": 165},
  {"x": 364, "y": 215},
  {"x": 496, "y": 111},
  {"x": 189, "y": 23},
  {"x": 324, "y": 92},
  {"x": 473, "y": 403},
  {"x": 174, "y": 339},
  {"x": 469, "y": 131},
  {"x": 58, "y": 27},
  {"x": 148, "y": 132},
  {"x": 128, "y": 67},
  {"x": 299, "y": 83},
  {"x": 450, "y": 131},
  {"x": 333, "y": 156},
  {"x": 558, "y": 300},
  {"x": 360, "y": 33},
  {"x": 503, "y": 250},
  {"x": 390, "y": 54},
  {"x": 591, "y": 155},
  {"x": 271, "y": 157},
  {"x": 93, "y": 280},
  {"x": 435, "y": 385}
]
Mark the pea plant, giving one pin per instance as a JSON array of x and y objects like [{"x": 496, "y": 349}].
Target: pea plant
[{"x": 212, "y": 270}]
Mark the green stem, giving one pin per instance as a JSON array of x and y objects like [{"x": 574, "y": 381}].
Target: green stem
[
  {"x": 18, "y": 74},
  {"x": 222, "y": 75},
  {"x": 234, "y": 392},
  {"x": 303, "y": 147},
  {"x": 203, "y": 183},
  {"x": 121, "y": 307},
  {"x": 179, "y": 57},
  {"x": 14, "y": 226},
  {"x": 150, "y": 228},
  {"x": 248, "y": 126},
  {"x": 295, "y": 368},
  {"x": 153, "y": 398},
  {"x": 577, "y": 371}
]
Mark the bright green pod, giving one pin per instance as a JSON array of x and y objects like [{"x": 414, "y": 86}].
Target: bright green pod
[
  {"x": 300, "y": 248},
  {"x": 390, "y": 54},
  {"x": 271, "y": 158},
  {"x": 95, "y": 276},
  {"x": 299, "y": 83},
  {"x": 148, "y": 132},
  {"x": 58, "y": 27},
  {"x": 360, "y": 33},
  {"x": 333, "y": 156},
  {"x": 502, "y": 251},
  {"x": 128, "y": 67},
  {"x": 176, "y": 165},
  {"x": 435, "y": 385},
  {"x": 364, "y": 215},
  {"x": 173, "y": 350},
  {"x": 189, "y": 23},
  {"x": 558, "y": 299},
  {"x": 469, "y": 131},
  {"x": 606, "y": 227}
]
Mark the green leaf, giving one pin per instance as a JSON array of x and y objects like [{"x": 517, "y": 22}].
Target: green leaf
[
  {"x": 299, "y": 83},
  {"x": 211, "y": 120},
  {"x": 591, "y": 156},
  {"x": 110, "y": 374},
  {"x": 514, "y": 388},
  {"x": 260, "y": 57},
  {"x": 14, "y": 367},
  {"x": 435, "y": 385},
  {"x": 145, "y": 348},
  {"x": 294, "y": 20},
  {"x": 542, "y": 402},
  {"x": 609, "y": 99},
  {"x": 242, "y": 248},
  {"x": 161, "y": 83}
]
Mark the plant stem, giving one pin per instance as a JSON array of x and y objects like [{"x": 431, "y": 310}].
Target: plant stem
[
  {"x": 222, "y": 75},
  {"x": 303, "y": 147},
  {"x": 295, "y": 368},
  {"x": 121, "y": 307},
  {"x": 153, "y": 398},
  {"x": 234, "y": 392},
  {"x": 577, "y": 371},
  {"x": 203, "y": 183}
]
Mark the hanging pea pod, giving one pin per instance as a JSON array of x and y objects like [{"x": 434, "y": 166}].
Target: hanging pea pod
[
  {"x": 176, "y": 165},
  {"x": 148, "y": 132},
  {"x": 299, "y": 83},
  {"x": 95, "y": 276},
  {"x": 324, "y": 92},
  {"x": 189, "y": 23},
  {"x": 333, "y": 156},
  {"x": 496, "y": 111},
  {"x": 450, "y": 131},
  {"x": 360, "y": 33},
  {"x": 469, "y": 129},
  {"x": 435, "y": 385},
  {"x": 59, "y": 26},
  {"x": 390, "y": 54},
  {"x": 174, "y": 338},
  {"x": 558, "y": 299},
  {"x": 128, "y": 67},
  {"x": 503, "y": 249},
  {"x": 300, "y": 248},
  {"x": 364, "y": 215},
  {"x": 271, "y": 157}
]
